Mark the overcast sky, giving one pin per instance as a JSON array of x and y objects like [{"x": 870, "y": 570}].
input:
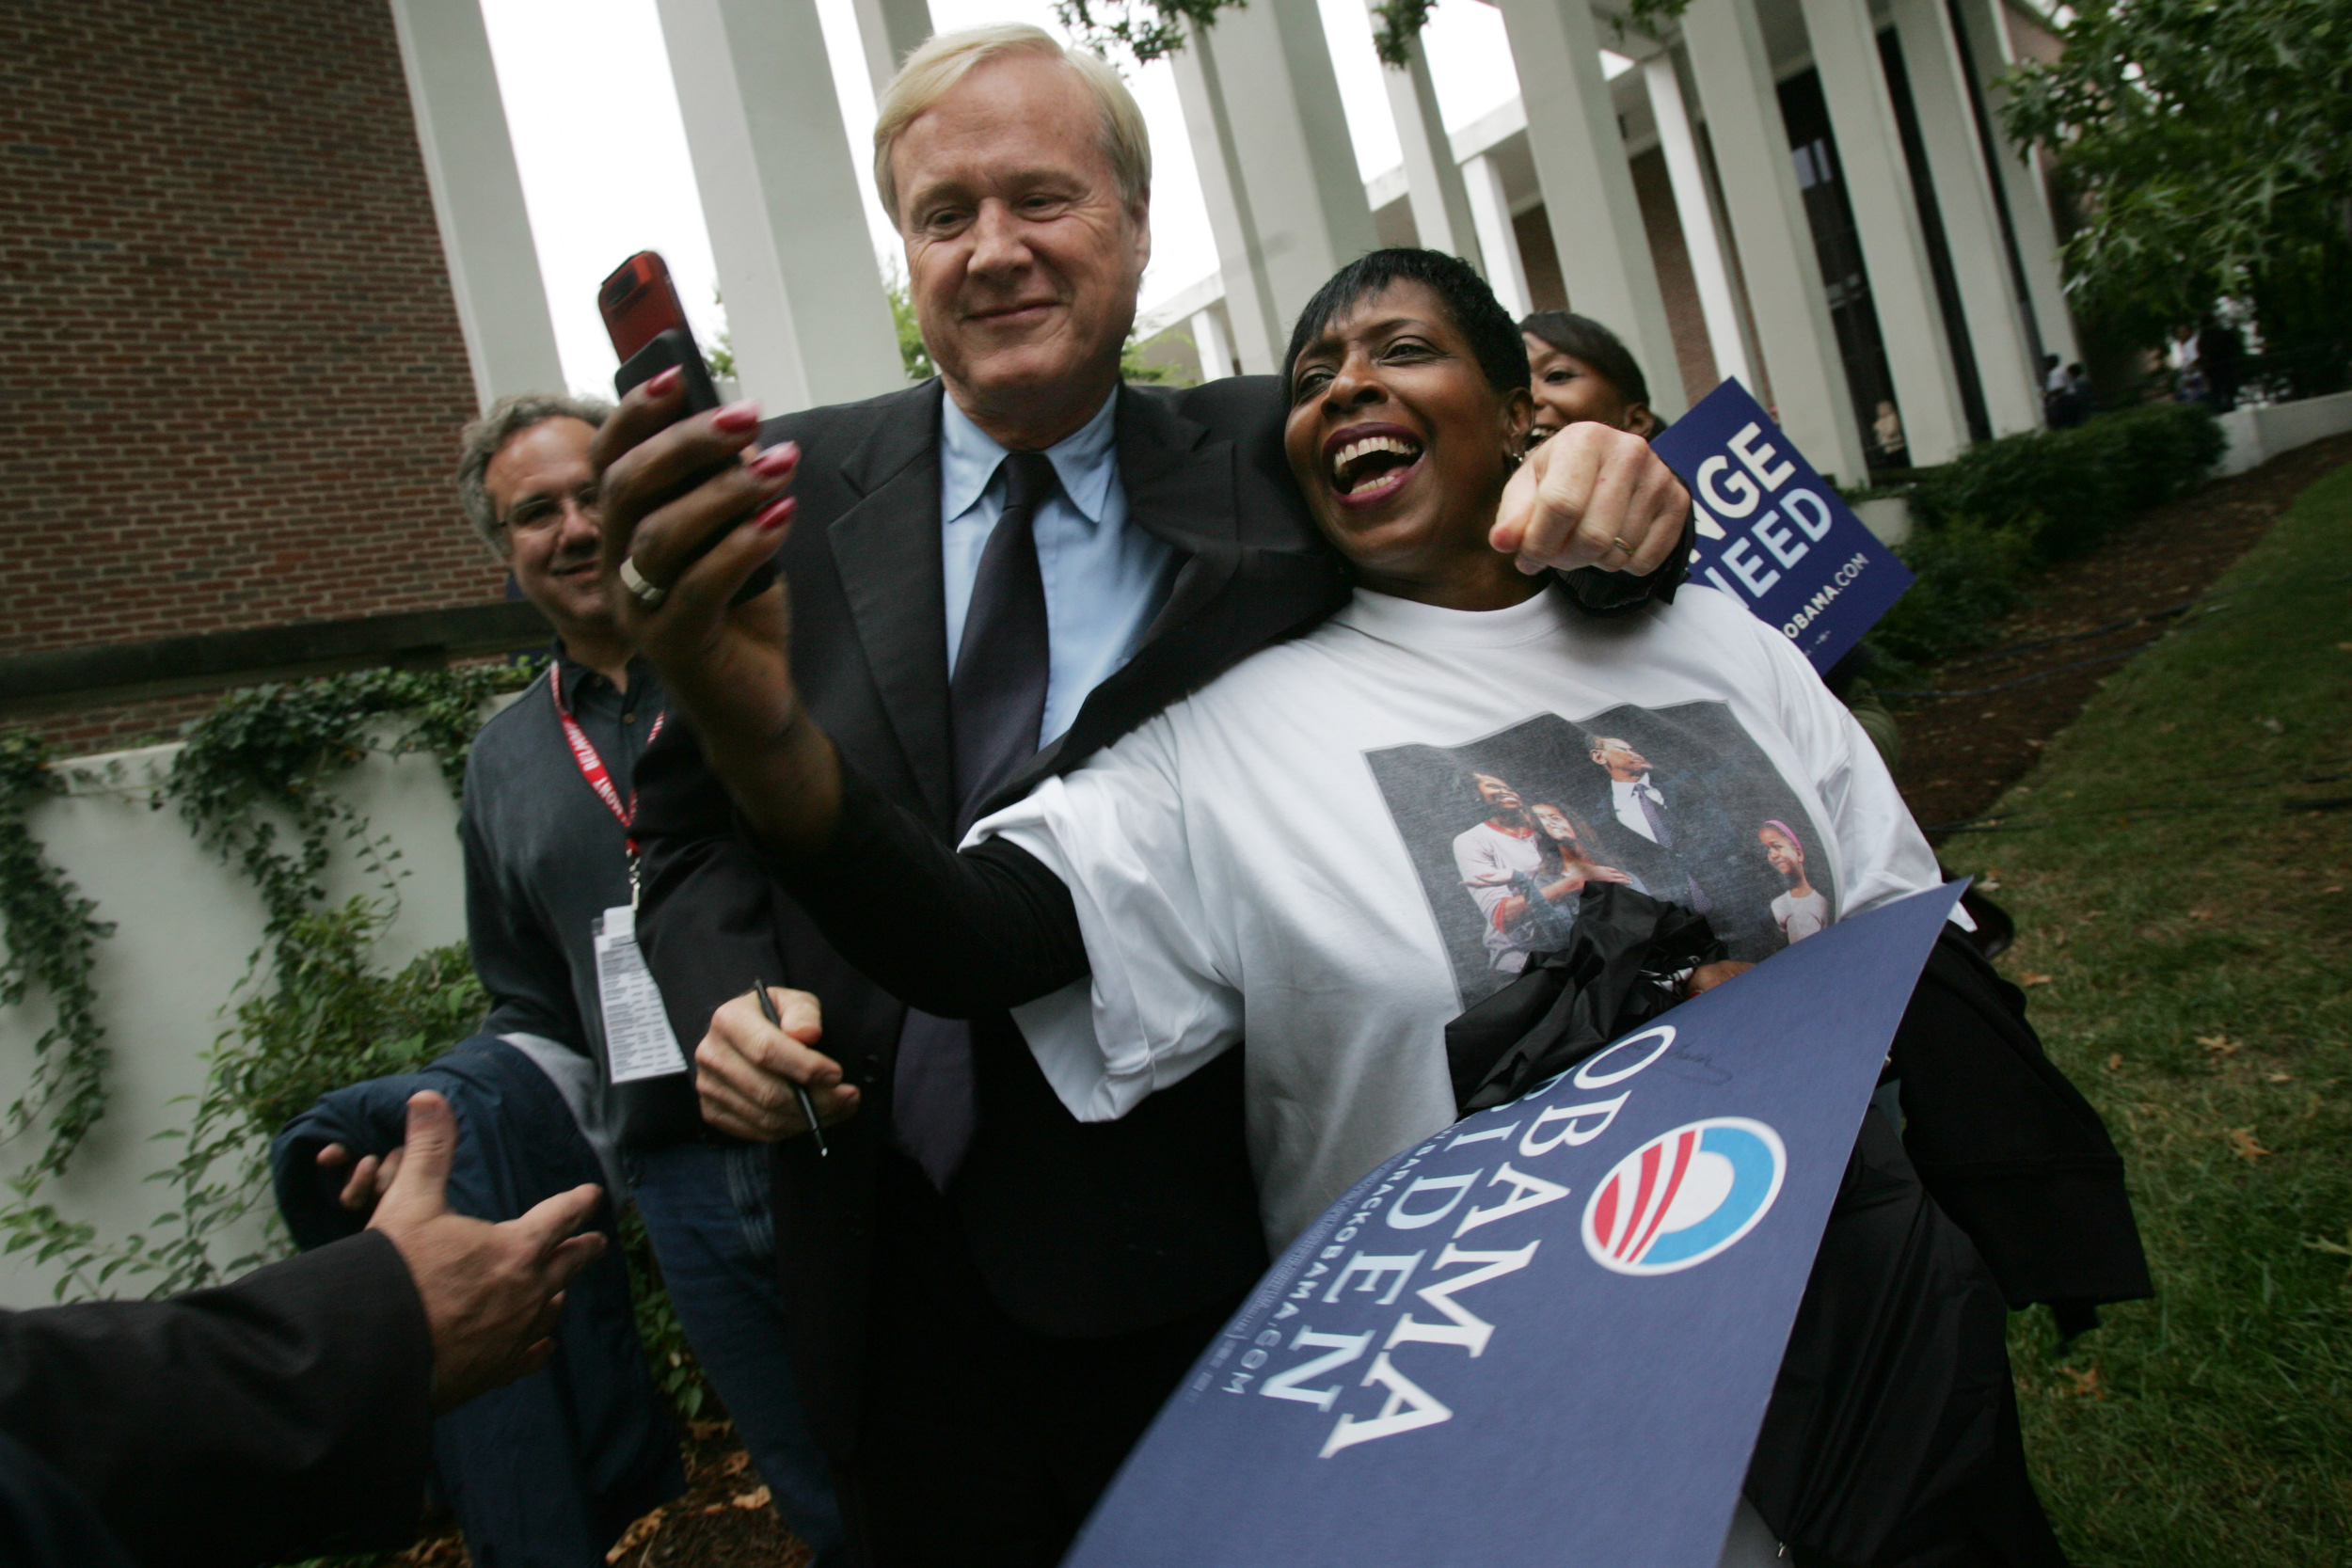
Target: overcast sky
[{"x": 566, "y": 67}]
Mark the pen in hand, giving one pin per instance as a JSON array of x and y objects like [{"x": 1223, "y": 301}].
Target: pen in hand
[{"x": 800, "y": 1090}]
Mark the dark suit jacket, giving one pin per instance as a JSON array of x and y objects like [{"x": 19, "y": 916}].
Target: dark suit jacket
[
  {"x": 1079, "y": 1229},
  {"x": 278, "y": 1417}
]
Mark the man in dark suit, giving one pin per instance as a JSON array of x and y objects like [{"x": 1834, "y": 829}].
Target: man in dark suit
[
  {"x": 288, "y": 1414},
  {"x": 990, "y": 578}
]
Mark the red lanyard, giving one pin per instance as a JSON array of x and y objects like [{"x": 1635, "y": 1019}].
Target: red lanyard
[{"x": 592, "y": 766}]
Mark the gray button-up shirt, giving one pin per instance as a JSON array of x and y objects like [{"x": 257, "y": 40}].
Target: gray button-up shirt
[{"x": 544, "y": 858}]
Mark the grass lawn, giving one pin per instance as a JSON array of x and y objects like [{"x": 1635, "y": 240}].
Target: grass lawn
[{"x": 2187, "y": 943}]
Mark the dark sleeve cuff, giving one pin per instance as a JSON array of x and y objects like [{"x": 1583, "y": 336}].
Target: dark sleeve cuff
[{"x": 1612, "y": 593}]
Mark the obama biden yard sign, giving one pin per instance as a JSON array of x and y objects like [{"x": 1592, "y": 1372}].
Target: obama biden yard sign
[{"x": 1547, "y": 1334}]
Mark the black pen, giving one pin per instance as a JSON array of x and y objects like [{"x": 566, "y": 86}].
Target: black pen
[{"x": 800, "y": 1090}]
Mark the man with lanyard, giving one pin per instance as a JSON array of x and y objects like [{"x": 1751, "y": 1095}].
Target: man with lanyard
[{"x": 550, "y": 889}]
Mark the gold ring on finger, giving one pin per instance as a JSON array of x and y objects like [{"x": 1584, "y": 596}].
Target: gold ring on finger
[{"x": 1619, "y": 544}]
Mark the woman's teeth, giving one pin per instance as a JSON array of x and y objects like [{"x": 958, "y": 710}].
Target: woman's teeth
[{"x": 1352, "y": 456}]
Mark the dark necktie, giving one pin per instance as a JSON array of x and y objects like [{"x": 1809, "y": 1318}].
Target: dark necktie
[
  {"x": 996, "y": 707},
  {"x": 1658, "y": 828}
]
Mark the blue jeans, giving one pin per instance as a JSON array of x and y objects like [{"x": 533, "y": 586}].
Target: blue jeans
[{"x": 706, "y": 1210}]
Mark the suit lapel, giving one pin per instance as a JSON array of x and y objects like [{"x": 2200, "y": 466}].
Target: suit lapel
[
  {"x": 1180, "y": 490},
  {"x": 886, "y": 548}
]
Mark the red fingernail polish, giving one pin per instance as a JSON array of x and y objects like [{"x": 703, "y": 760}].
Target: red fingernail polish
[
  {"x": 735, "y": 418},
  {"x": 775, "y": 461},
  {"x": 774, "y": 514},
  {"x": 661, "y": 385}
]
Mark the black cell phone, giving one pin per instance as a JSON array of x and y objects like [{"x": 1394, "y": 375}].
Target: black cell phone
[
  {"x": 647, "y": 326},
  {"x": 675, "y": 346}
]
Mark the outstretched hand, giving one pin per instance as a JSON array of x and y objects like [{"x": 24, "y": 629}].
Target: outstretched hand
[
  {"x": 491, "y": 1292},
  {"x": 1592, "y": 496},
  {"x": 368, "y": 1181}
]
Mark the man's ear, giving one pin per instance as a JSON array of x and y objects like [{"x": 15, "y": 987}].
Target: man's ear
[{"x": 1140, "y": 216}]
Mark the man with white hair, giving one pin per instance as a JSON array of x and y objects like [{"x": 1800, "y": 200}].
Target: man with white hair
[{"x": 992, "y": 576}]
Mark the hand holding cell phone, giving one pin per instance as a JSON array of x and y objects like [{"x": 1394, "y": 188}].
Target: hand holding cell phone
[
  {"x": 649, "y": 331},
  {"x": 693, "y": 510}
]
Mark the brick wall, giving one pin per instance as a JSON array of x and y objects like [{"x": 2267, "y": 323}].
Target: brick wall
[{"x": 231, "y": 376}]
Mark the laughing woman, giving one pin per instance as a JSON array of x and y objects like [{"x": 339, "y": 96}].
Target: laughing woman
[
  {"x": 1261, "y": 849},
  {"x": 1235, "y": 865},
  {"x": 1273, "y": 858}
]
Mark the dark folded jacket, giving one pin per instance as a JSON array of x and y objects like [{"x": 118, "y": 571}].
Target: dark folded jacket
[
  {"x": 2009, "y": 1148},
  {"x": 1891, "y": 1439}
]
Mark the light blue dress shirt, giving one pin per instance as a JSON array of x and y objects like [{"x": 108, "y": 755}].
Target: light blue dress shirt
[{"x": 1104, "y": 580}]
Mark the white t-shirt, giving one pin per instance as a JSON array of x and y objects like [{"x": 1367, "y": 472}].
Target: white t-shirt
[
  {"x": 1800, "y": 918},
  {"x": 1276, "y": 858}
]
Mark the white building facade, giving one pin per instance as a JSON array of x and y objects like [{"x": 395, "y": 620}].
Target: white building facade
[{"x": 1813, "y": 196}]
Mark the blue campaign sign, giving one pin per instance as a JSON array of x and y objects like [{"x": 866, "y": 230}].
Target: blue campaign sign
[
  {"x": 1549, "y": 1333},
  {"x": 1773, "y": 535}
]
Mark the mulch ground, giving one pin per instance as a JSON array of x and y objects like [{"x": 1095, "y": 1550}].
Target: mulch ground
[
  {"x": 2084, "y": 618},
  {"x": 723, "y": 1521},
  {"x": 1960, "y": 753}
]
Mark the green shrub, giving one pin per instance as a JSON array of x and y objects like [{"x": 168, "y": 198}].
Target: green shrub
[
  {"x": 2070, "y": 488},
  {"x": 1987, "y": 520},
  {"x": 1968, "y": 578}
]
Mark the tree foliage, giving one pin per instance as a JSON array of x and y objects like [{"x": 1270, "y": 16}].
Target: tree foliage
[
  {"x": 1142, "y": 30},
  {"x": 2208, "y": 146}
]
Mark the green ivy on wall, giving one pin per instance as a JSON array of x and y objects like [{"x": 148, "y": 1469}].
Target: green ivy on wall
[
  {"x": 315, "y": 1009},
  {"x": 48, "y": 935}
]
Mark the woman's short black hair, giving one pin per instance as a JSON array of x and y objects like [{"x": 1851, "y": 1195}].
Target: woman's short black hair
[
  {"x": 1582, "y": 337},
  {"x": 1468, "y": 304}
]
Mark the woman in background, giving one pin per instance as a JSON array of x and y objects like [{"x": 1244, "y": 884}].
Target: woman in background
[{"x": 1581, "y": 372}]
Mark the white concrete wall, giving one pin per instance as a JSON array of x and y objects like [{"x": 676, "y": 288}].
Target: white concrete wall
[
  {"x": 2258, "y": 435},
  {"x": 187, "y": 927}
]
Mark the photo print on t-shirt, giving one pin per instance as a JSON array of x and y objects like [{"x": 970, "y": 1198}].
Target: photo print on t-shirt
[{"x": 1678, "y": 802}]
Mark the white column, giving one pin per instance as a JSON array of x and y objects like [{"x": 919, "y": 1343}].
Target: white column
[
  {"x": 890, "y": 30},
  {"x": 1588, "y": 189},
  {"x": 1278, "y": 171},
  {"x": 1708, "y": 269},
  {"x": 1498, "y": 242},
  {"x": 1886, "y": 215},
  {"x": 477, "y": 198},
  {"x": 1972, "y": 225},
  {"x": 1794, "y": 335},
  {"x": 1432, "y": 181},
  {"x": 1991, "y": 55},
  {"x": 1209, "y": 343},
  {"x": 805, "y": 301}
]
